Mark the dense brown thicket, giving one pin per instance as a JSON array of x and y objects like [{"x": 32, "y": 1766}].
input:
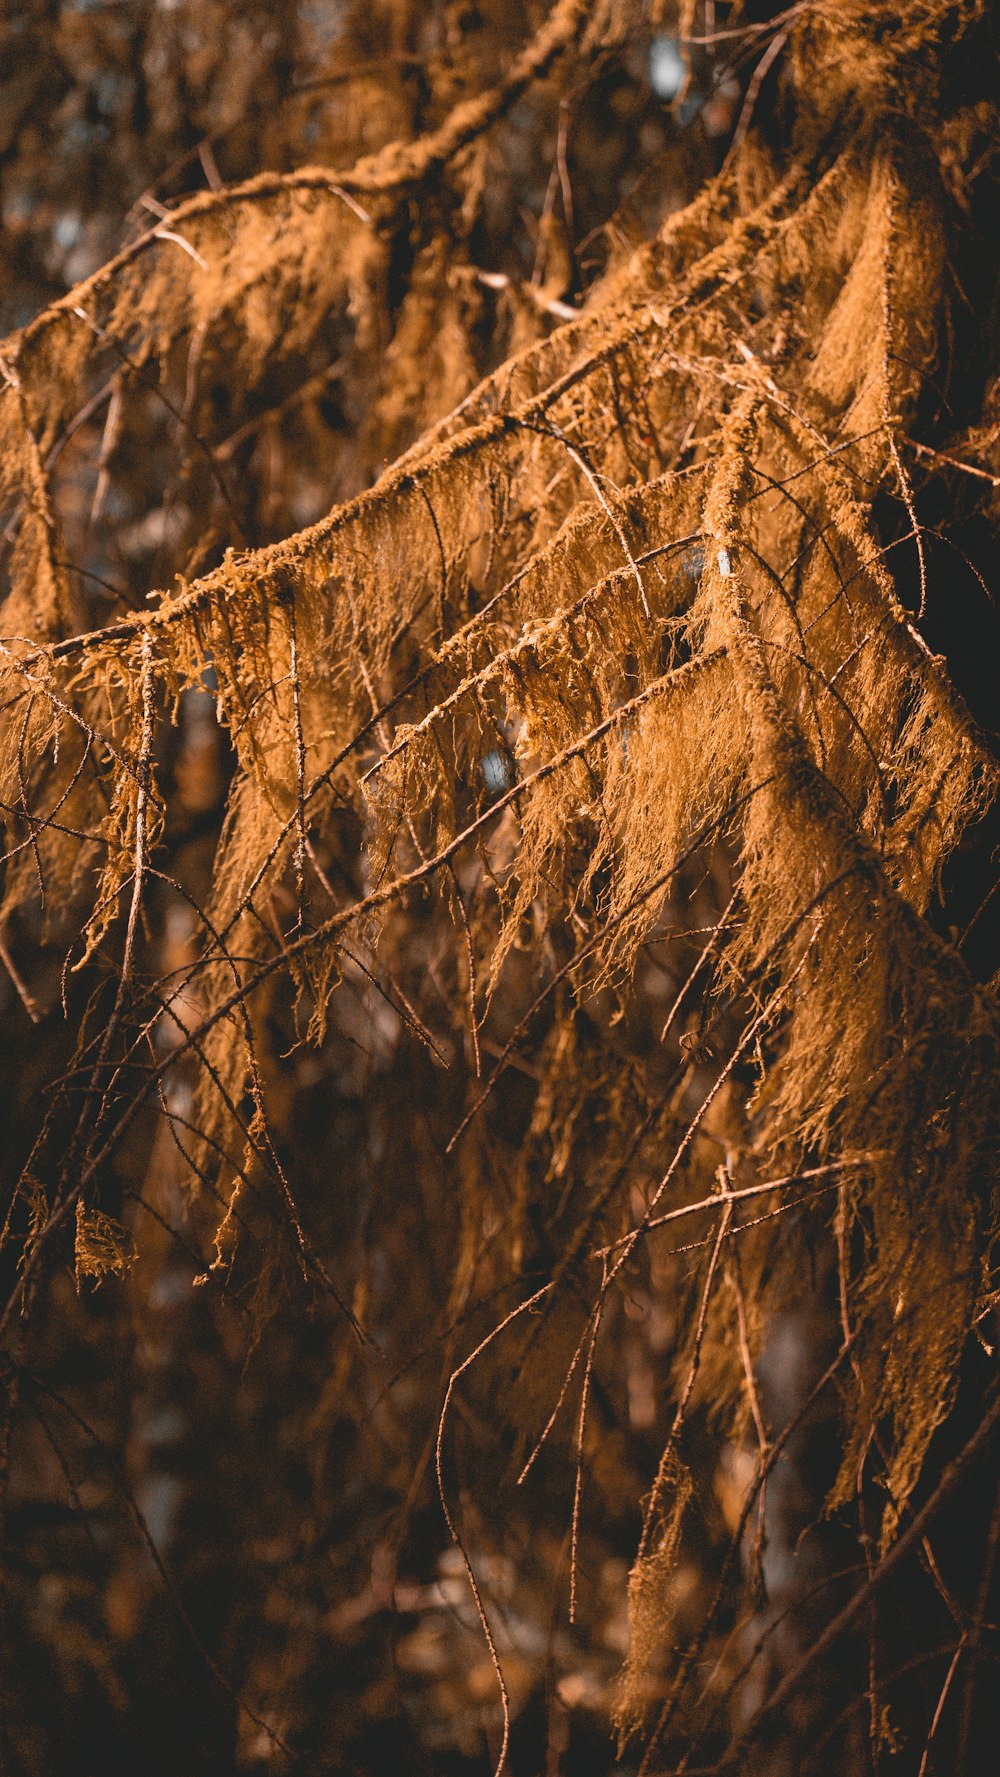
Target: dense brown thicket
[{"x": 502, "y": 1029}]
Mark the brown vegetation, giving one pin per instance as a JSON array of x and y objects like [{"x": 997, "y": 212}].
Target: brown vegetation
[{"x": 502, "y": 979}]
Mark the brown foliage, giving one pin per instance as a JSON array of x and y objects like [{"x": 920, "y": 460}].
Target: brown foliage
[{"x": 630, "y": 654}]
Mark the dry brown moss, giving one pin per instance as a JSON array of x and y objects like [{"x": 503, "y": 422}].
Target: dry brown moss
[{"x": 639, "y": 567}]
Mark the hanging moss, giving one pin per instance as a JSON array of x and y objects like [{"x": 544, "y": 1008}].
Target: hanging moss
[{"x": 644, "y": 565}]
